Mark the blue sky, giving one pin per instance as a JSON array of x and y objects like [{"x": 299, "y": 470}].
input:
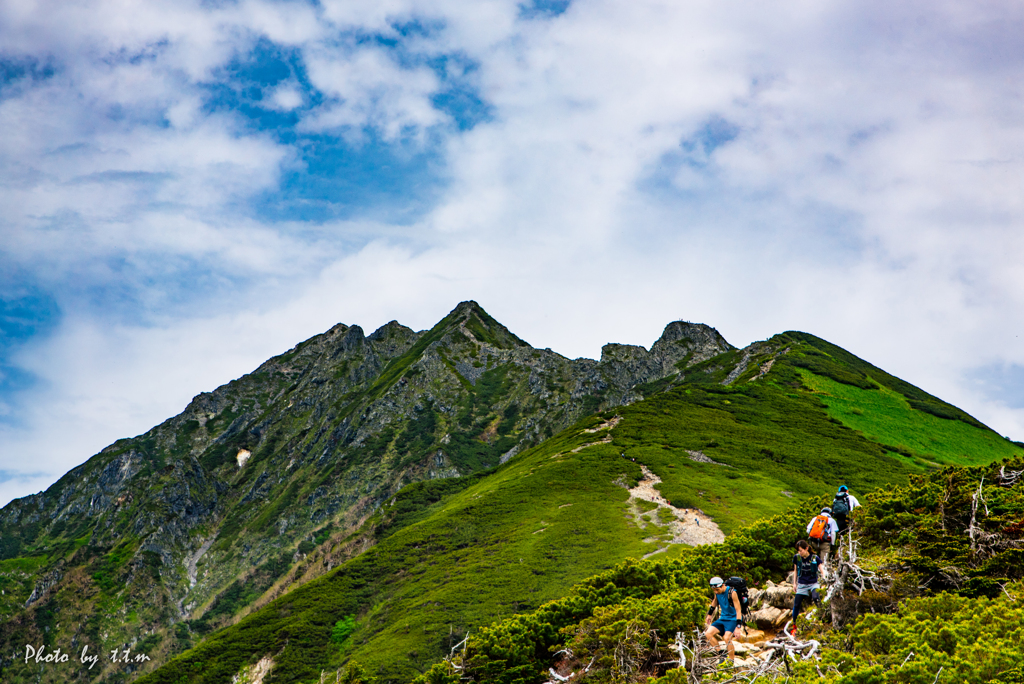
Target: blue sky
[{"x": 187, "y": 188}]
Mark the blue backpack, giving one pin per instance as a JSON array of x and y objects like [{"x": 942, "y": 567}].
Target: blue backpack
[{"x": 841, "y": 504}]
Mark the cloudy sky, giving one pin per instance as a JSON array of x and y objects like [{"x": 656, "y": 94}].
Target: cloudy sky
[{"x": 187, "y": 188}]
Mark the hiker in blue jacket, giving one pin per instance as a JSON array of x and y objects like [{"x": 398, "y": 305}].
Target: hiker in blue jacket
[
  {"x": 727, "y": 602},
  {"x": 805, "y": 578}
]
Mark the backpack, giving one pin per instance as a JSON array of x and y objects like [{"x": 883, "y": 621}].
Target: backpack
[
  {"x": 841, "y": 504},
  {"x": 819, "y": 528},
  {"x": 811, "y": 561},
  {"x": 740, "y": 587}
]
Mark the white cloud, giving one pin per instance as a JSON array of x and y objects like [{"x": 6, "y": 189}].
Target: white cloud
[
  {"x": 368, "y": 87},
  {"x": 869, "y": 196},
  {"x": 286, "y": 97}
]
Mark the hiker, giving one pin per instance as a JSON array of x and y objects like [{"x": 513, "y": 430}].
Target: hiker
[
  {"x": 842, "y": 505},
  {"x": 821, "y": 532},
  {"x": 727, "y": 601},
  {"x": 805, "y": 578}
]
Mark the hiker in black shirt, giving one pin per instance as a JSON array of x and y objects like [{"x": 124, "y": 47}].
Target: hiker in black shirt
[{"x": 805, "y": 577}]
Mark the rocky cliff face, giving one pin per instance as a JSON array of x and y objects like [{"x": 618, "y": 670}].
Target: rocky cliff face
[{"x": 160, "y": 538}]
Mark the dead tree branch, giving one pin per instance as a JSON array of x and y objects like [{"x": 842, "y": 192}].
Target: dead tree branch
[{"x": 1009, "y": 479}]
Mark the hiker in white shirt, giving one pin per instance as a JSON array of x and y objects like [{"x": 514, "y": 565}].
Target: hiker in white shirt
[
  {"x": 842, "y": 505},
  {"x": 821, "y": 532}
]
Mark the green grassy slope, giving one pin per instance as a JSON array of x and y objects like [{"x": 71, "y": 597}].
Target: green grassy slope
[
  {"x": 776, "y": 447},
  {"x": 825, "y": 358},
  {"x": 921, "y": 438},
  {"x": 509, "y": 540}
]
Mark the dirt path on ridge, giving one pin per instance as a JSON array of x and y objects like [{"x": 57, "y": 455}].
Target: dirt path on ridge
[{"x": 688, "y": 525}]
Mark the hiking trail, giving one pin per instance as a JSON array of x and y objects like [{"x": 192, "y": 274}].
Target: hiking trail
[{"x": 687, "y": 525}]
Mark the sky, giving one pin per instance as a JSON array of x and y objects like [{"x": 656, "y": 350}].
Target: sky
[{"x": 188, "y": 188}]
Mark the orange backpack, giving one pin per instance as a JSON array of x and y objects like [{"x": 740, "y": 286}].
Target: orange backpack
[{"x": 819, "y": 529}]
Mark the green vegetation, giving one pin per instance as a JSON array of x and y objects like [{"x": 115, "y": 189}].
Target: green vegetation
[
  {"x": 486, "y": 434},
  {"x": 417, "y": 501},
  {"x": 476, "y": 326},
  {"x": 967, "y": 624},
  {"x": 108, "y": 570},
  {"x": 396, "y": 368},
  {"x": 323, "y": 534},
  {"x": 274, "y": 509},
  {"x": 528, "y": 527},
  {"x": 16, "y": 582},
  {"x": 342, "y": 629},
  {"x": 944, "y": 638},
  {"x": 419, "y": 433},
  {"x": 713, "y": 370},
  {"x": 823, "y": 365},
  {"x": 242, "y": 592},
  {"x": 489, "y": 331}
]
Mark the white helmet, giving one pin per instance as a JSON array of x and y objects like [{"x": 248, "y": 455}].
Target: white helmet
[{"x": 717, "y": 581}]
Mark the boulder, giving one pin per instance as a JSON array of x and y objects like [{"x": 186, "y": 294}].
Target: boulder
[
  {"x": 778, "y": 595},
  {"x": 770, "y": 617}
]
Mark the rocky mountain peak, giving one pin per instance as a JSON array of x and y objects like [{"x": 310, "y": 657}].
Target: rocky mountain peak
[
  {"x": 468, "y": 308},
  {"x": 682, "y": 344},
  {"x": 692, "y": 342},
  {"x": 695, "y": 333},
  {"x": 470, "y": 319},
  {"x": 390, "y": 330}
]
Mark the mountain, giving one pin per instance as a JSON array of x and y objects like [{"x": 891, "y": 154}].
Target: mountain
[
  {"x": 218, "y": 507},
  {"x": 377, "y": 498}
]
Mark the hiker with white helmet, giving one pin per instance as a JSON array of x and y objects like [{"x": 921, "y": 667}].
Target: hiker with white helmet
[
  {"x": 822, "y": 531},
  {"x": 842, "y": 505},
  {"x": 727, "y": 602}
]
